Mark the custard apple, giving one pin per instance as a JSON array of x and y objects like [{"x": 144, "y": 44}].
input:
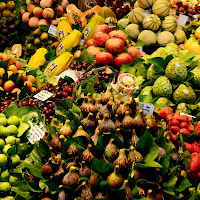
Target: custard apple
[
  {"x": 197, "y": 57},
  {"x": 196, "y": 78},
  {"x": 176, "y": 70},
  {"x": 184, "y": 93},
  {"x": 151, "y": 70},
  {"x": 182, "y": 108},
  {"x": 147, "y": 91},
  {"x": 162, "y": 87},
  {"x": 164, "y": 102},
  {"x": 160, "y": 52},
  {"x": 172, "y": 48}
]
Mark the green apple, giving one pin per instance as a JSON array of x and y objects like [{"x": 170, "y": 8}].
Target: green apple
[
  {"x": 14, "y": 120},
  {"x": 13, "y": 129},
  {"x": 3, "y": 121},
  {"x": 3, "y": 160},
  {"x": 10, "y": 140},
  {"x": 14, "y": 160},
  {"x": 2, "y": 115},
  {"x": 5, "y": 131},
  {"x": 5, "y": 149},
  {"x": 12, "y": 179},
  {"x": 2, "y": 143}
]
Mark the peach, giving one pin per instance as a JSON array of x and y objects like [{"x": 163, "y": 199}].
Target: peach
[
  {"x": 46, "y": 3},
  {"x": 11, "y": 59},
  {"x": 6, "y": 13},
  {"x": 33, "y": 89},
  {"x": 59, "y": 10},
  {"x": 28, "y": 1},
  {"x": 28, "y": 83},
  {"x": 48, "y": 13},
  {"x": 23, "y": 74},
  {"x": 43, "y": 22},
  {"x": 8, "y": 86},
  {"x": 22, "y": 11},
  {"x": 38, "y": 12},
  {"x": 25, "y": 17},
  {"x": 37, "y": 1},
  {"x": 16, "y": 90},
  {"x": 55, "y": 21},
  {"x": 64, "y": 4},
  {"x": 9, "y": 73},
  {"x": 2, "y": 56},
  {"x": 12, "y": 68},
  {"x": 18, "y": 64},
  {"x": 33, "y": 22},
  {"x": 30, "y": 78},
  {"x": 30, "y": 7},
  {"x": 2, "y": 71},
  {"x": 2, "y": 6}
]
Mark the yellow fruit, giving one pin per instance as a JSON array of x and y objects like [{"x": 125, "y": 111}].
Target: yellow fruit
[
  {"x": 6, "y": 13},
  {"x": 9, "y": 73},
  {"x": 12, "y": 68},
  {"x": 37, "y": 42},
  {"x": 44, "y": 36},
  {"x": 2, "y": 71},
  {"x": 37, "y": 32},
  {"x": 8, "y": 86},
  {"x": 2, "y": 6}
]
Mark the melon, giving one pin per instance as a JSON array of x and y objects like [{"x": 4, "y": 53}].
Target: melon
[
  {"x": 180, "y": 36},
  {"x": 161, "y": 8},
  {"x": 149, "y": 37},
  {"x": 169, "y": 24},
  {"x": 137, "y": 15},
  {"x": 105, "y": 12},
  {"x": 172, "y": 13},
  {"x": 145, "y": 3},
  {"x": 136, "y": 5},
  {"x": 123, "y": 22},
  {"x": 132, "y": 30},
  {"x": 165, "y": 38},
  {"x": 151, "y": 22}
]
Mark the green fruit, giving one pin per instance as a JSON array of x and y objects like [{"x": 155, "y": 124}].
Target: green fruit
[
  {"x": 5, "y": 187},
  {"x": 3, "y": 121},
  {"x": 176, "y": 70},
  {"x": 164, "y": 102},
  {"x": 172, "y": 49},
  {"x": 184, "y": 93},
  {"x": 14, "y": 160},
  {"x": 2, "y": 143},
  {"x": 2, "y": 115},
  {"x": 10, "y": 140},
  {"x": 14, "y": 120},
  {"x": 8, "y": 198},
  {"x": 5, "y": 131},
  {"x": 151, "y": 70},
  {"x": 147, "y": 91},
  {"x": 5, "y": 149},
  {"x": 12, "y": 179},
  {"x": 18, "y": 140},
  {"x": 196, "y": 78},
  {"x": 182, "y": 108},
  {"x": 13, "y": 129},
  {"x": 3, "y": 160},
  {"x": 123, "y": 22},
  {"x": 4, "y": 175},
  {"x": 162, "y": 87},
  {"x": 160, "y": 52}
]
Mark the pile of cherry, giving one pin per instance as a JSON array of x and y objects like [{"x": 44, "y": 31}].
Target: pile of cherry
[{"x": 6, "y": 101}]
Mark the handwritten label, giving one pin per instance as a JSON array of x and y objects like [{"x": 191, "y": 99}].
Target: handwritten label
[
  {"x": 52, "y": 30},
  {"x": 147, "y": 108},
  {"x": 182, "y": 19},
  {"x": 35, "y": 134},
  {"x": 43, "y": 95},
  {"x": 140, "y": 50}
]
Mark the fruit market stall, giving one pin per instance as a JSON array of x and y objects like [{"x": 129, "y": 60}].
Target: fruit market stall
[{"x": 99, "y": 99}]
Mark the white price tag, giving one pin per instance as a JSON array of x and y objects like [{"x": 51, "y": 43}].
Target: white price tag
[
  {"x": 140, "y": 50},
  {"x": 43, "y": 95},
  {"x": 195, "y": 17},
  {"x": 182, "y": 19},
  {"x": 52, "y": 30},
  {"x": 147, "y": 108},
  {"x": 35, "y": 134}
]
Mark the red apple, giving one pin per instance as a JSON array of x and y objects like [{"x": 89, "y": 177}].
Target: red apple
[
  {"x": 104, "y": 58},
  {"x": 133, "y": 52},
  {"x": 126, "y": 9},
  {"x": 89, "y": 43},
  {"x": 116, "y": 4},
  {"x": 102, "y": 28},
  {"x": 119, "y": 13},
  {"x": 93, "y": 50},
  {"x": 99, "y": 39},
  {"x": 118, "y": 34},
  {"x": 114, "y": 45},
  {"x": 121, "y": 59}
]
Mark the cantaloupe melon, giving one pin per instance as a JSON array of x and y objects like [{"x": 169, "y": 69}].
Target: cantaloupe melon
[
  {"x": 145, "y": 3},
  {"x": 151, "y": 22},
  {"x": 149, "y": 37},
  {"x": 137, "y": 15},
  {"x": 180, "y": 36},
  {"x": 165, "y": 38},
  {"x": 161, "y": 8},
  {"x": 169, "y": 24},
  {"x": 132, "y": 30},
  {"x": 106, "y": 12}
]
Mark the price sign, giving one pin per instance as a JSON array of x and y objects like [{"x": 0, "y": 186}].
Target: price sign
[
  {"x": 52, "y": 30},
  {"x": 147, "y": 108},
  {"x": 140, "y": 50},
  {"x": 182, "y": 19},
  {"x": 35, "y": 134},
  {"x": 43, "y": 95}
]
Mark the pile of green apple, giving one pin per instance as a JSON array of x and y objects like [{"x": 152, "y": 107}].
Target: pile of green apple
[{"x": 8, "y": 161}]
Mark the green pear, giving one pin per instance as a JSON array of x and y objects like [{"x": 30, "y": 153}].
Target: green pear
[
  {"x": 4, "y": 175},
  {"x": 2, "y": 143},
  {"x": 3, "y": 121},
  {"x": 10, "y": 140},
  {"x": 5, "y": 187},
  {"x": 14, "y": 160},
  {"x": 18, "y": 140},
  {"x": 3, "y": 160},
  {"x": 13, "y": 129},
  {"x": 12, "y": 179},
  {"x": 5, "y": 149},
  {"x": 14, "y": 120},
  {"x": 5, "y": 131},
  {"x": 2, "y": 115}
]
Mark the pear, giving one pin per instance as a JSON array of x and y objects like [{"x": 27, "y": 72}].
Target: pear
[
  {"x": 14, "y": 120},
  {"x": 5, "y": 149},
  {"x": 2, "y": 115},
  {"x": 5, "y": 187},
  {"x": 10, "y": 140},
  {"x": 4, "y": 175},
  {"x": 14, "y": 160},
  {"x": 5, "y": 131},
  {"x": 3, "y": 121},
  {"x": 3, "y": 160},
  {"x": 12, "y": 179},
  {"x": 2, "y": 143},
  {"x": 13, "y": 129}
]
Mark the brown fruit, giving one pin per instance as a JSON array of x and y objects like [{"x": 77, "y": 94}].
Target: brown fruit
[
  {"x": 73, "y": 163},
  {"x": 93, "y": 180},
  {"x": 112, "y": 149},
  {"x": 98, "y": 104},
  {"x": 134, "y": 156},
  {"x": 134, "y": 138},
  {"x": 55, "y": 143},
  {"x": 122, "y": 160},
  {"x": 108, "y": 108},
  {"x": 107, "y": 125},
  {"x": 88, "y": 107},
  {"x": 72, "y": 150},
  {"x": 87, "y": 155},
  {"x": 86, "y": 193},
  {"x": 95, "y": 136},
  {"x": 80, "y": 132},
  {"x": 60, "y": 170},
  {"x": 89, "y": 122},
  {"x": 66, "y": 129},
  {"x": 121, "y": 111},
  {"x": 84, "y": 170},
  {"x": 127, "y": 191},
  {"x": 105, "y": 97},
  {"x": 47, "y": 170},
  {"x": 127, "y": 122}
]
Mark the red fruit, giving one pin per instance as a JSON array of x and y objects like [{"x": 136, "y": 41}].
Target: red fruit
[
  {"x": 190, "y": 119},
  {"x": 184, "y": 125},
  {"x": 195, "y": 165},
  {"x": 168, "y": 118},
  {"x": 174, "y": 129},
  {"x": 197, "y": 126},
  {"x": 198, "y": 133},
  {"x": 195, "y": 155},
  {"x": 89, "y": 43},
  {"x": 118, "y": 34},
  {"x": 168, "y": 110},
  {"x": 99, "y": 39},
  {"x": 190, "y": 127},
  {"x": 102, "y": 28},
  {"x": 183, "y": 118},
  {"x": 176, "y": 115},
  {"x": 196, "y": 147},
  {"x": 114, "y": 45},
  {"x": 119, "y": 12},
  {"x": 121, "y": 59},
  {"x": 104, "y": 58},
  {"x": 189, "y": 147},
  {"x": 162, "y": 114},
  {"x": 185, "y": 131},
  {"x": 174, "y": 137},
  {"x": 174, "y": 122}
]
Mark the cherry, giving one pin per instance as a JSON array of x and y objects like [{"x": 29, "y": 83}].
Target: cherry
[
  {"x": 5, "y": 102},
  {"x": 44, "y": 87},
  {"x": 5, "y": 98},
  {"x": 51, "y": 117},
  {"x": 24, "y": 103},
  {"x": 49, "y": 84},
  {"x": 59, "y": 95},
  {"x": 13, "y": 98},
  {"x": 116, "y": 4},
  {"x": 44, "y": 115},
  {"x": 37, "y": 90},
  {"x": 32, "y": 104},
  {"x": 63, "y": 98},
  {"x": 106, "y": 78},
  {"x": 75, "y": 64},
  {"x": 72, "y": 84},
  {"x": 65, "y": 94},
  {"x": 57, "y": 89},
  {"x": 69, "y": 90},
  {"x": 50, "y": 89},
  {"x": 126, "y": 9},
  {"x": 45, "y": 108},
  {"x": 60, "y": 83},
  {"x": 53, "y": 97},
  {"x": 48, "y": 120},
  {"x": 30, "y": 101},
  {"x": 84, "y": 65},
  {"x": 51, "y": 105},
  {"x": 49, "y": 112},
  {"x": 79, "y": 67},
  {"x": 119, "y": 12},
  {"x": 69, "y": 97}
]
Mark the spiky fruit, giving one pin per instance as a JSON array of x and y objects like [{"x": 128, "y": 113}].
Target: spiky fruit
[
  {"x": 151, "y": 70},
  {"x": 147, "y": 91},
  {"x": 164, "y": 102},
  {"x": 176, "y": 70},
  {"x": 196, "y": 78},
  {"x": 160, "y": 52},
  {"x": 162, "y": 87},
  {"x": 184, "y": 93},
  {"x": 172, "y": 49},
  {"x": 182, "y": 108}
]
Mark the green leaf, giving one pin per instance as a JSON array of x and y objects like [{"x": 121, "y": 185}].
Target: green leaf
[
  {"x": 169, "y": 186},
  {"x": 44, "y": 150},
  {"x": 63, "y": 106},
  {"x": 85, "y": 56},
  {"x": 127, "y": 68},
  {"x": 144, "y": 99},
  {"x": 165, "y": 161},
  {"x": 140, "y": 43},
  {"x": 21, "y": 188},
  {"x": 22, "y": 128},
  {"x": 183, "y": 184}
]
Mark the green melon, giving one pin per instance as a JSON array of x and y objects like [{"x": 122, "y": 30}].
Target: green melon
[
  {"x": 132, "y": 30},
  {"x": 161, "y": 8},
  {"x": 151, "y": 22},
  {"x": 165, "y": 38},
  {"x": 145, "y": 3},
  {"x": 149, "y": 37},
  {"x": 180, "y": 36},
  {"x": 137, "y": 15},
  {"x": 169, "y": 24},
  {"x": 105, "y": 12}
]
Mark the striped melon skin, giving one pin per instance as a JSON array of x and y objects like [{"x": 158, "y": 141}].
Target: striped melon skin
[
  {"x": 136, "y": 16},
  {"x": 145, "y": 3},
  {"x": 149, "y": 37},
  {"x": 180, "y": 36},
  {"x": 169, "y": 24},
  {"x": 165, "y": 38},
  {"x": 161, "y": 8},
  {"x": 151, "y": 22},
  {"x": 132, "y": 30}
]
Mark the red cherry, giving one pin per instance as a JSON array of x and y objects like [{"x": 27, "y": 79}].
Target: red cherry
[
  {"x": 24, "y": 103},
  {"x": 69, "y": 97}
]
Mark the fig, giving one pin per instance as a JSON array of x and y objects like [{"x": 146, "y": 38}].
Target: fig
[
  {"x": 119, "y": 135},
  {"x": 93, "y": 180},
  {"x": 150, "y": 195},
  {"x": 98, "y": 104},
  {"x": 62, "y": 195},
  {"x": 108, "y": 108},
  {"x": 55, "y": 143},
  {"x": 100, "y": 195},
  {"x": 10, "y": 140},
  {"x": 115, "y": 179},
  {"x": 12, "y": 180},
  {"x": 117, "y": 122},
  {"x": 127, "y": 191},
  {"x": 87, "y": 155},
  {"x": 2, "y": 143},
  {"x": 84, "y": 170},
  {"x": 161, "y": 152},
  {"x": 14, "y": 120},
  {"x": 139, "y": 121},
  {"x": 105, "y": 97},
  {"x": 4, "y": 175},
  {"x": 121, "y": 111},
  {"x": 134, "y": 138},
  {"x": 73, "y": 163},
  {"x": 112, "y": 149},
  {"x": 122, "y": 160},
  {"x": 60, "y": 170},
  {"x": 5, "y": 149},
  {"x": 151, "y": 123},
  {"x": 71, "y": 178},
  {"x": 3, "y": 121},
  {"x": 87, "y": 107},
  {"x": 47, "y": 170},
  {"x": 90, "y": 98},
  {"x": 66, "y": 129},
  {"x": 117, "y": 102},
  {"x": 95, "y": 136},
  {"x": 89, "y": 122},
  {"x": 141, "y": 192},
  {"x": 134, "y": 156},
  {"x": 86, "y": 193},
  {"x": 5, "y": 187},
  {"x": 57, "y": 158},
  {"x": 14, "y": 160},
  {"x": 13, "y": 129},
  {"x": 80, "y": 132},
  {"x": 127, "y": 122},
  {"x": 107, "y": 125},
  {"x": 72, "y": 150},
  {"x": 136, "y": 172}
]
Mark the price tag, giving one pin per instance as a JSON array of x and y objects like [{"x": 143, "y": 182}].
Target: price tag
[
  {"x": 147, "y": 108},
  {"x": 52, "y": 30},
  {"x": 182, "y": 19},
  {"x": 140, "y": 50},
  {"x": 43, "y": 95},
  {"x": 35, "y": 134},
  {"x": 195, "y": 17}
]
